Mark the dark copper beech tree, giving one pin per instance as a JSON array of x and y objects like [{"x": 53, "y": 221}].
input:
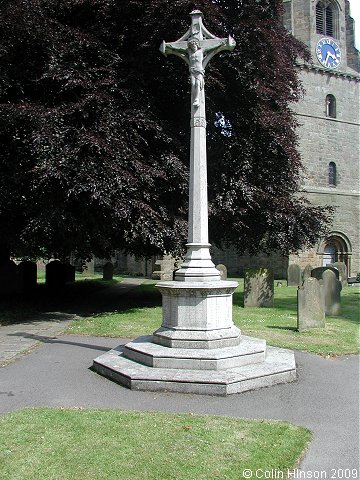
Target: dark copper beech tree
[{"x": 94, "y": 129}]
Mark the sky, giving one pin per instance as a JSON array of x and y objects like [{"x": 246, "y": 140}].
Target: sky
[{"x": 355, "y": 13}]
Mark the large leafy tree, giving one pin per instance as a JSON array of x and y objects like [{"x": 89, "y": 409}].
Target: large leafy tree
[{"x": 94, "y": 128}]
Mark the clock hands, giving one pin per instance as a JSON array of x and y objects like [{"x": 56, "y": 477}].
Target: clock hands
[{"x": 329, "y": 54}]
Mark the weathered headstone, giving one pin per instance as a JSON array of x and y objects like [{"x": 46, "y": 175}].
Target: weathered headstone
[
  {"x": 258, "y": 287},
  {"x": 343, "y": 274},
  {"x": 294, "y": 277},
  {"x": 223, "y": 271},
  {"x": 108, "y": 271},
  {"x": 330, "y": 290},
  {"x": 88, "y": 268},
  {"x": 318, "y": 272},
  {"x": 9, "y": 277},
  {"x": 69, "y": 273},
  {"x": 310, "y": 308},
  {"x": 55, "y": 274},
  {"x": 164, "y": 268},
  {"x": 27, "y": 275},
  {"x": 307, "y": 272}
]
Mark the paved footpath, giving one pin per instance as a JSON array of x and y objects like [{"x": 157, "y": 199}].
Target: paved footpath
[
  {"x": 21, "y": 338},
  {"x": 325, "y": 397}
]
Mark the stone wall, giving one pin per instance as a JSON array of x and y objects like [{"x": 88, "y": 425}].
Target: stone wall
[
  {"x": 236, "y": 264},
  {"x": 323, "y": 140}
]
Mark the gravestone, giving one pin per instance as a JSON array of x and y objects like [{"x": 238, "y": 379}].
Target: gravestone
[
  {"x": 108, "y": 271},
  {"x": 55, "y": 274},
  {"x": 223, "y": 271},
  {"x": 343, "y": 274},
  {"x": 310, "y": 308},
  {"x": 9, "y": 277},
  {"x": 27, "y": 276},
  {"x": 294, "y": 277},
  {"x": 88, "y": 268},
  {"x": 330, "y": 290},
  {"x": 164, "y": 268},
  {"x": 69, "y": 273},
  {"x": 318, "y": 272},
  {"x": 307, "y": 272},
  {"x": 258, "y": 287}
]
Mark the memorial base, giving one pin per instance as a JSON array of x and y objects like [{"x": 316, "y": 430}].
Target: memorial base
[{"x": 197, "y": 349}]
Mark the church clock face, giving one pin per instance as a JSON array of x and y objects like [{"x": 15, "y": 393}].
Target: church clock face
[{"x": 328, "y": 53}]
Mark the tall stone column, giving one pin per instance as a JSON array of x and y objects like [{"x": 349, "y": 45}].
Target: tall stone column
[
  {"x": 199, "y": 311},
  {"x": 197, "y": 349},
  {"x": 196, "y": 48}
]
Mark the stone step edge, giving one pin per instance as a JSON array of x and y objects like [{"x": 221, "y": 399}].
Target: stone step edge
[{"x": 167, "y": 372}]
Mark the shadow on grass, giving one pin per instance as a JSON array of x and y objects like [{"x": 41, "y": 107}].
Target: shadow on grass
[
  {"x": 83, "y": 298},
  {"x": 277, "y": 327}
]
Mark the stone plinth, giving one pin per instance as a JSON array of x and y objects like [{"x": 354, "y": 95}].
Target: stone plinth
[
  {"x": 197, "y": 349},
  {"x": 197, "y": 315},
  {"x": 277, "y": 367}
]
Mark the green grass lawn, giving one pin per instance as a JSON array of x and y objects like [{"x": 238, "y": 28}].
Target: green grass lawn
[
  {"x": 140, "y": 314},
  {"x": 278, "y": 325},
  {"x": 102, "y": 311},
  {"x": 67, "y": 444}
]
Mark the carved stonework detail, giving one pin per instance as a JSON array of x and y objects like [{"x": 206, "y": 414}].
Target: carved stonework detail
[
  {"x": 198, "y": 292},
  {"x": 198, "y": 122}
]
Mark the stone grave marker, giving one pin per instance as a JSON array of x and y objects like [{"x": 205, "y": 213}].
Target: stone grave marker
[
  {"x": 27, "y": 275},
  {"x": 258, "y": 287},
  {"x": 318, "y": 272},
  {"x": 69, "y": 273},
  {"x": 9, "y": 277},
  {"x": 223, "y": 271},
  {"x": 330, "y": 289},
  {"x": 343, "y": 274},
  {"x": 310, "y": 308},
  {"x": 108, "y": 271},
  {"x": 55, "y": 274},
  {"x": 88, "y": 268},
  {"x": 307, "y": 272},
  {"x": 294, "y": 277},
  {"x": 164, "y": 268}
]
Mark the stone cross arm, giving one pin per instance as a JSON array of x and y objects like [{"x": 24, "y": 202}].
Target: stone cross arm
[
  {"x": 206, "y": 42},
  {"x": 209, "y": 46}
]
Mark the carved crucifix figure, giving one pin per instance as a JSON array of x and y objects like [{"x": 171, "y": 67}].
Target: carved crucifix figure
[
  {"x": 196, "y": 69},
  {"x": 196, "y": 48}
]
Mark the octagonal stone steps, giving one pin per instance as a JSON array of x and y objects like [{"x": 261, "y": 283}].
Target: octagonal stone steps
[{"x": 143, "y": 365}]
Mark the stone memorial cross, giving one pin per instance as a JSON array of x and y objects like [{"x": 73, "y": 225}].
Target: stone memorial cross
[
  {"x": 197, "y": 349},
  {"x": 196, "y": 48}
]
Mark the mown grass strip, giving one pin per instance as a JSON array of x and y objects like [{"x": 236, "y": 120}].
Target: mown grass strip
[{"x": 118, "y": 445}]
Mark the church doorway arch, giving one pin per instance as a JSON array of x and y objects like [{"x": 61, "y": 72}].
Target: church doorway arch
[{"x": 336, "y": 248}]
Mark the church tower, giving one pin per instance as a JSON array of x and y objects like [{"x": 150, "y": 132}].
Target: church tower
[{"x": 329, "y": 124}]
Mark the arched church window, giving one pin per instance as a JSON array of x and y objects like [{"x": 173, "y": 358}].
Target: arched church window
[
  {"x": 326, "y": 18},
  {"x": 332, "y": 174},
  {"x": 330, "y": 106}
]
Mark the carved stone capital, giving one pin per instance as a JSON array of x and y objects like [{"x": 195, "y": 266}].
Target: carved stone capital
[{"x": 198, "y": 122}]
